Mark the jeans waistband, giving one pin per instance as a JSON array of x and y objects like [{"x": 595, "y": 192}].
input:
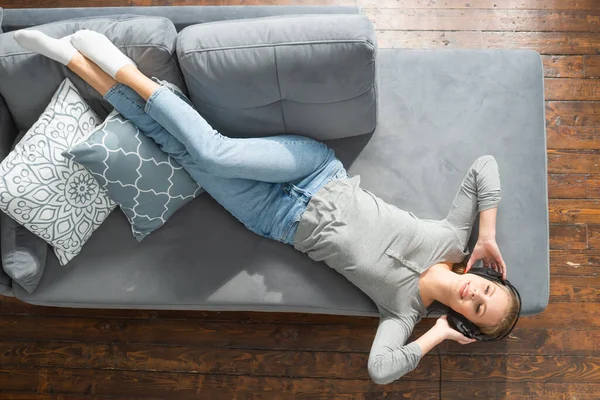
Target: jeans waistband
[{"x": 336, "y": 173}]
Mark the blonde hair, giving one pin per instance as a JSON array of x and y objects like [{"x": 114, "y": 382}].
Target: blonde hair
[{"x": 512, "y": 312}]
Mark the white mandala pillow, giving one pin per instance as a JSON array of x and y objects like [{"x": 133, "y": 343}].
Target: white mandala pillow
[{"x": 53, "y": 197}]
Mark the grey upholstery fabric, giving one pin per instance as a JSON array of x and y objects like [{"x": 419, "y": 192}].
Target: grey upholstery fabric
[
  {"x": 23, "y": 253},
  {"x": 309, "y": 75},
  {"x": 1, "y": 17},
  {"x": 440, "y": 110},
  {"x": 28, "y": 80},
  {"x": 8, "y": 132},
  {"x": 181, "y": 16}
]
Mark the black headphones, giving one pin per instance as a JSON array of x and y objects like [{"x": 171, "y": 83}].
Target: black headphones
[{"x": 466, "y": 327}]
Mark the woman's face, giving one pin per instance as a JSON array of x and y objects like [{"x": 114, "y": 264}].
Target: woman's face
[{"x": 483, "y": 302}]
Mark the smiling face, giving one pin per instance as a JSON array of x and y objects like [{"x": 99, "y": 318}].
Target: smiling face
[{"x": 483, "y": 302}]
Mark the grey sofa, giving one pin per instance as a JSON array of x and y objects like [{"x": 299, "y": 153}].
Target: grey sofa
[{"x": 435, "y": 113}]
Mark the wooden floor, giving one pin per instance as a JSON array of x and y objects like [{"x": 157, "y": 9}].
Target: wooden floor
[{"x": 95, "y": 354}]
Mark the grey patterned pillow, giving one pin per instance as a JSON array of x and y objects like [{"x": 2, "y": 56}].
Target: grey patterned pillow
[
  {"x": 53, "y": 197},
  {"x": 148, "y": 184}
]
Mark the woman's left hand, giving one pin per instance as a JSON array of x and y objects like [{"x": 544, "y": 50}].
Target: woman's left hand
[{"x": 489, "y": 252}]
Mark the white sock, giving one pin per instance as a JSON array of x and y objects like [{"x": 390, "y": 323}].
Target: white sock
[
  {"x": 100, "y": 50},
  {"x": 60, "y": 50}
]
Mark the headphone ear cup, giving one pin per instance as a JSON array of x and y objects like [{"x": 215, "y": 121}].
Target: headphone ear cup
[
  {"x": 487, "y": 273},
  {"x": 461, "y": 324}
]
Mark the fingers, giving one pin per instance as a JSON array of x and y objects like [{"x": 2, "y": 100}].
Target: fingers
[
  {"x": 470, "y": 264},
  {"x": 462, "y": 339}
]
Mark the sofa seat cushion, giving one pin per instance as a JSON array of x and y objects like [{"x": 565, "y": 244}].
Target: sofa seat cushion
[
  {"x": 310, "y": 75},
  {"x": 28, "y": 80}
]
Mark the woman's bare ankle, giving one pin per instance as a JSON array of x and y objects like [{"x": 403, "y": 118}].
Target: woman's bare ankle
[
  {"x": 77, "y": 62},
  {"x": 126, "y": 73}
]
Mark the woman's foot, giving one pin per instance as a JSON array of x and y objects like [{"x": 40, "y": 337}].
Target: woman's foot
[
  {"x": 100, "y": 50},
  {"x": 60, "y": 50}
]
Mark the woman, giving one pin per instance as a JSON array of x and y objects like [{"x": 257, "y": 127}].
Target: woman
[{"x": 293, "y": 189}]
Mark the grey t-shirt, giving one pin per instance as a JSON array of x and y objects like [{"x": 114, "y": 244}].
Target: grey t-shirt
[{"x": 383, "y": 250}]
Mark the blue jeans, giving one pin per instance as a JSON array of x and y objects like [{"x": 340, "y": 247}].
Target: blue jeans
[{"x": 265, "y": 183}]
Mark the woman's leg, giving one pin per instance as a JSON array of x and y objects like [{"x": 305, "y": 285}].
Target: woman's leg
[
  {"x": 128, "y": 103},
  {"x": 246, "y": 199},
  {"x": 274, "y": 159},
  {"x": 281, "y": 158}
]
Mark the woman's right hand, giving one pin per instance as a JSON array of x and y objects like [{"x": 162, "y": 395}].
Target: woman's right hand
[{"x": 447, "y": 332}]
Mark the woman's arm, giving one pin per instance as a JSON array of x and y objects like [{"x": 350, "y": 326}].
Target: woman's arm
[
  {"x": 391, "y": 358},
  {"x": 487, "y": 224},
  {"x": 479, "y": 192},
  {"x": 486, "y": 247}
]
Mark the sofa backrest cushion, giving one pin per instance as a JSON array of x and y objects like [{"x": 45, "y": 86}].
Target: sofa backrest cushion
[
  {"x": 1, "y": 15},
  {"x": 311, "y": 75},
  {"x": 28, "y": 80}
]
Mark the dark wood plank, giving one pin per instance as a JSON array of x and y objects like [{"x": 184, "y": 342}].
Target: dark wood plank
[
  {"x": 305, "y": 364},
  {"x": 159, "y": 385},
  {"x": 592, "y": 66},
  {"x": 573, "y": 162},
  {"x": 551, "y": 43},
  {"x": 593, "y": 236},
  {"x": 568, "y": 237},
  {"x": 209, "y": 360},
  {"x": 181, "y": 333},
  {"x": 580, "y": 369},
  {"x": 564, "y": 316},
  {"x": 548, "y": 391},
  {"x": 566, "y": 186},
  {"x": 188, "y": 333},
  {"x": 573, "y": 113},
  {"x": 484, "y": 20},
  {"x": 573, "y": 137},
  {"x": 534, "y": 341},
  {"x": 572, "y": 89},
  {"x": 193, "y": 386},
  {"x": 323, "y": 365},
  {"x": 567, "y": 211},
  {"x": 49, "y": 396},
  {"x": 563, "y": 66},
  {"x": 579, "y": 289},
  {"x": 467, "y": 5},
  {"x": 571, "y": 263},
  {"x": 224, "y": 395},
  {"x": 593, "y": 186}
]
